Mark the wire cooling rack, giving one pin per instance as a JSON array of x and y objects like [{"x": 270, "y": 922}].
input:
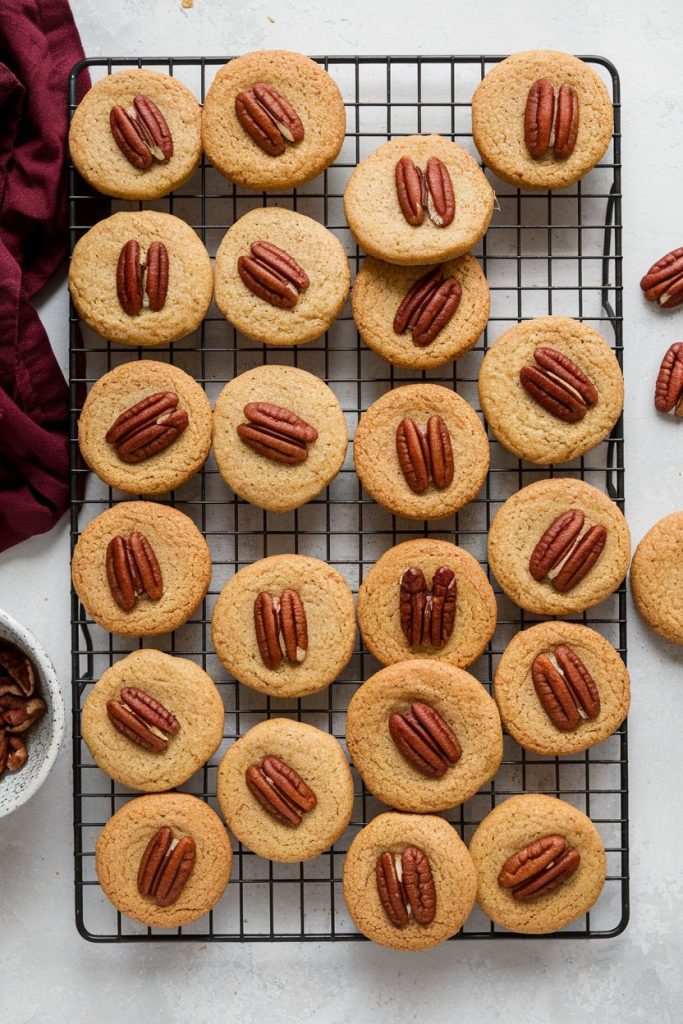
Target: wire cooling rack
[{"x": 544, "y": 253}]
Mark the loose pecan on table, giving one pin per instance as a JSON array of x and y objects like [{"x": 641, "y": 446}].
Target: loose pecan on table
[
  {"x": 565, "y": 688},
  {"x": 281, "y": 628},
  {"x": 425, "y": 453},
  {"x": 141, "y": 133},
  {"x": 567, "y": 551},
  {"x": 135, "y": 279},
  {"x": 21, "y": 705},
  {"x": 538, "y": 119},
  {"x": 559, "y": 385},
  {"x": 268, "y": 118},
  {"x": 273, "y": 275},
  {"x": 430, "y": 191},
  {"x": 405, "y": 886},
  {"x": 539, "y": 868},
  {"x": 166, "y": 866},
  {"x": 148, "y": 427},
  {"x": 669, "y": 387},
  {"x": 428, "y": 616},
  {"x": 277, "y": 433},
  {"x": 425, "y": 739},
  {"x": 428, "y": 306},
  {"x": 280, "y": 790},
  {"x": 663, "y": 282},
  {"x": 142, "y": 719},
  {"x": 132, "y": 570}
]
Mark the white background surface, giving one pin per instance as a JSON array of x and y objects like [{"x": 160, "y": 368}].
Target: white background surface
[{"x": 48, "y": 972}]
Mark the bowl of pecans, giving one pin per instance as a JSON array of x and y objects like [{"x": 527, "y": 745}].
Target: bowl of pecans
[{"x": 31, "y": 715}]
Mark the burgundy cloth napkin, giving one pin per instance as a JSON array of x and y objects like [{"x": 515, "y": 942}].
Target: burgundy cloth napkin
[{"x": 39, "y": 44}]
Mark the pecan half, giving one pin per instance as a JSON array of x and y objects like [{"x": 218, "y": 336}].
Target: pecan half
[
  {"x": 281, "y": 628},
  {"x": 17, "y": 674},
  {"x": 425, "y": 739},
  {"x": 538, "y": 117},
  {"x": 17, "y": 754},
  {"x": 135, "y": 279},
  {"x": 132, "y": 570},
  {"x": 165, "y": 868},
  {"x": 142, "y": 719},
  {"x": 273, "y": 275},
  {"x": 280, "y": 790},
  {"x": 148, "y": 427},
  {"x": 669, "y": 386},
  {"x": 425, "y": 454},
  {"x": 427, "y": 617},
  {"x": 142, "y": 133},
  {"x": 18, "y": 714},
  {"x": 559, "y": 386},
  {"x": 268, "y": 118},
  {"x": 405, "y": 886},
  {"x": 410, "y": 190},
  {"x": 566, "y": 122},
  {"x": 567, "y": 551},
  {"x": 539, "y": 868},
  {"x": 663, "y": 282},
  {"x": 566, "y": 690},
  {"x": 439, "y": 195},
  {"x": 427, "y": 307},
  {"x": 276, "y": 432}
]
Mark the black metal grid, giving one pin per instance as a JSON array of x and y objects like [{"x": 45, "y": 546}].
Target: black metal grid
[{"x": 544, "y": 253}]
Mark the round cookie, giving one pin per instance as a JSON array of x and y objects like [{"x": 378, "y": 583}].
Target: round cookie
[
  {"x": 330, "y": 620},
  {"x": 374, "y": 215},
  {"x": 521, "y": 522},
  {"x": 92, "y": 279},
  {"x": 277, "y": 486},
  {"x": 376, "y": 458},
  {"x": 378, "y": 291},
  {"x": 520, "y": 423},
  {"x": 114, "y": 394},
  {"x": 455, "y": 880},
  {"x": 185, "y": 690},
  {"x": 498, "y": 107},
  {"x": 520, "y": 709},
  {"x": 125, "y": 837},
  {"x": 183, "y": 557},
  {"x": 317, "y": 251},
  {"x": 460, "y": 700},
  {"x": 306, "y": 87},
  {"x": 510, "y": 827},
  {"x": 97, "y": 156},
  {"x": 379, "y": 603},
  {"x": 657, "y": 577},
  {"x": 319, "y": 761}
]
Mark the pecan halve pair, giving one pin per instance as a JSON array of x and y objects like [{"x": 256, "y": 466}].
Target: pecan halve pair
[
  {"x": 281, "y": 628},
  {"x": 142, "y": 133},
  {"x": 148, "y": 427},
  {"x": 428, "y": 306},
  {"x": 565, "y": 688},
  {"x": 142, "y": 719},
  {"x": 540, "y": 867},
  {"x": 135, "y": 279},
  {"x": 425, "y": 454},
  {"x": 273, "y": 275},
  {"x": 559, "y": 385},
  {"x": 538, "y": 119},
  {"x": 425, "y": 739},
  {"x": 268, "y": 118},
  {"x": 429, "y": 192},
  {"x": 132, "y": 570},
  {"x": 427, "y": 616},
  {"x": 165, "y": 868},
  {"x": 567, "y": 551},
  {"x": 280, "y": 790},
  {"x": 276, "y": 432},
  {"x": 405, "y": 886},
  {"x": 669, "y": 386},
  {"x": 663, "y": 282}
]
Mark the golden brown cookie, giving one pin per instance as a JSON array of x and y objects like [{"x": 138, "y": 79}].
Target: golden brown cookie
[
  {"x": 305, "y": 87},
  {"x": 184, "y": 690},
  {"x": 184, "y": 564},
  {"x": 317, "y": 252},
  {"x": 374, "y": 215},
  {"x": 124, "y": 840},
  {"x": 459, "y": 700},
  {"x": 93, "y": 279},
  {"x": 511, "y": 827},
  {"x": 379, "y": 290},
  {"x": 657, "y": 577},
  {"x": 330, "y": 625},
  {"x": 454, "y": 880},
  {"x": 522, "y": 423},
  {"x": 100, "y": 160},
  {"x": 173, "y": 398},
  {"x": 379, "y": 604},
  {"x": 260, "y": 479},
  {"x": 377, "y": 460},
  {"x": 498, "y": 109},
  {"x": 523, "y": 521},
  {"x": 583, "y": 720},
  {"x": 324, "y": 802}
]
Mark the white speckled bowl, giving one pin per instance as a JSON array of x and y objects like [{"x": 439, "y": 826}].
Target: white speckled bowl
[{"x": 44, "y": 739}]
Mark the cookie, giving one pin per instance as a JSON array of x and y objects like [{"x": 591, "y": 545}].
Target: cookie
[
  {"x": 522, "y": 713},
  {"x": 99, "y": 159},
  {"x": 523, "y": 521},
  {"x": 512, "y": 826},
  {"x": 522, "y": 423},
  {"x": 463, "y": 705},
  {"x": 381, "y": 287},
  {"x": 318, "y": 253},
  {"x": 313, "y": 98},
  {"x": 375, "y": 217},
  {"x": 498, "y": 113},
  {"x": 184, "y": 690},
  {"x": 262, "y": 479},
  {"x": 179, "y": 419},
  {"x": 379, "y": 604},
  {"x": 125, "y": 838},
  {"x": 453, "y": 878},
  {"x": 269, "y": 749},
  {"x": 95, "y": 291},
  {"x": 375, "y": 451},
  {"x": 657, "y": 577},
  {"x": 330, "y": 625},
  {"x": 184, "y": 565}
]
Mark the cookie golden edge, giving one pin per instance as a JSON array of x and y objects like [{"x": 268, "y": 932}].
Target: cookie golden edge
[{"x": 648, "y": 605}]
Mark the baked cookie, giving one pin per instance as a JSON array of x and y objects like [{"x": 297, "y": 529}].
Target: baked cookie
[
  {"x": 141, "y": 569},
  {"x": 559, "y": 546},
  {"x": 561, "y": 688},
  {"x": 304, "y": 100},
  {"x": 121, "y": 306},
  {"x": 449, "y": 881},
  {"x": 657, "y": 577},
  {"x": 391, "y": 604},
  {"x": 311, "y": 435},
  {"x": 386, "y": 724},
  {"x": 254, "y": 625},
  {"x": 550, "y": 389},
  {"x": 397, "y": 309},
  {"x": 421, "y": 451},
  {"x": 146, "y": 172},
  {"x": 125, "y": 839},
  {"x": 285, "y": 790},
  {"x": 511, "y": 828},
  {"x": 376, "y": 216},
  {"x": 145, "y": 427},
  {"x": 174, "y": 748},
  {"x": 279, "y": 310},
  {"x": 583, "y": 121}
]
